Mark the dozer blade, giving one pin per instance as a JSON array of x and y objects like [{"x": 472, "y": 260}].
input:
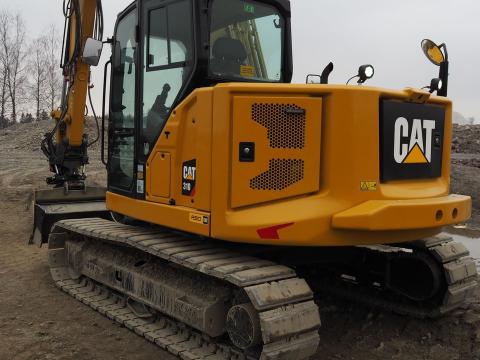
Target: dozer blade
[{"x": 54, "y": 205}]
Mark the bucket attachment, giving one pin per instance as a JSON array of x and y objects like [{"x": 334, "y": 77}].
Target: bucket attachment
[{"x": 56, "y": 204}]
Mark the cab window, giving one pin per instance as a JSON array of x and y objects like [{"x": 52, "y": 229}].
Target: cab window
[{"x": 246, "y": 41}]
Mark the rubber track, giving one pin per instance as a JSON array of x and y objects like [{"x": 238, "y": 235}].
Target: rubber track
[
  {"x": 289, "y": 318},
  {"x": 460, "y": 275}
]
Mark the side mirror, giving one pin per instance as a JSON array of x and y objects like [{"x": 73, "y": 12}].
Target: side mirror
[
  {"x": 433, "y": 52},
  {"x": 320, "y": 79},
  {"x": 313, "y": 79},
  {"x": 438, "y": 55},
  {"x": 92, "y": 52}
]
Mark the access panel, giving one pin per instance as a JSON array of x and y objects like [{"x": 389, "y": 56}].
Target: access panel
[{"x": 276, "y": 148}]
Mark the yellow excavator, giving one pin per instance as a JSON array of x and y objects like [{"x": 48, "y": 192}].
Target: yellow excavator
[{"x": 235, "y": 198}]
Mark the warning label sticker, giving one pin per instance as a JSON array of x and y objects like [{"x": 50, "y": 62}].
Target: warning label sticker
[
  {"x": 199, "y": 219},
  {"x": 368, "y": 185},
  {"x": 247, "y": 71}
]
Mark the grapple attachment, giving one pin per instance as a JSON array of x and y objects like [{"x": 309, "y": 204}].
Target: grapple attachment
[{"x": 57, "y": 204}]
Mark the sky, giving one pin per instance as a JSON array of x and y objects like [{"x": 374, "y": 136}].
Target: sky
[{"x": 384, "y": 33}]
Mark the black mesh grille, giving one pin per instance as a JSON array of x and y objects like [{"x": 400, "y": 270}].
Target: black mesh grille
[
  {"x": 281, "y": 174},
  {"x": 285, "y": 124}
]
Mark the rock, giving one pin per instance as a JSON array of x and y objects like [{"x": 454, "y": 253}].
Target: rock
[
  {"x": 466, "y": 139},
  {"x": 427, "y": 336},
  {"x": 439, "y": 352},
  {"x": 471, "y": 317}
]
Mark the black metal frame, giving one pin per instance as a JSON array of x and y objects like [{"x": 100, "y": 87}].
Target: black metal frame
[{"x": 127, "y": 192}]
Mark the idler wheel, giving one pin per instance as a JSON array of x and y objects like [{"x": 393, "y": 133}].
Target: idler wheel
[{"x": 243, "y": 326}]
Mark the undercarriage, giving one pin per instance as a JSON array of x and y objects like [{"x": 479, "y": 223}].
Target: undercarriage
[
  {"x": 187, "y": 294},
  {"x": 200, "y": 299}
]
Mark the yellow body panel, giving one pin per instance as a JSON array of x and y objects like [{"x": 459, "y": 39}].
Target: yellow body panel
[
  {"x": 376, "y": 215},
  {"x": 159, "y": 186},
  {"x": 187, "y": 135},
  {"x": 341, "y": 186},
  {"x": 177, "y": 217}
]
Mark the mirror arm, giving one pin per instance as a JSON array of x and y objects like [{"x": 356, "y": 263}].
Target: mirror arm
[
  {"x": 444, "y": 47},
  {"x": 444, "y": 77}
]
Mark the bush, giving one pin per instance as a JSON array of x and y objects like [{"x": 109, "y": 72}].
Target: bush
[
  {"x": 4, "y": 122},
  {"x": 43, "y": 116},
  {"x": 26, "y": 118}
]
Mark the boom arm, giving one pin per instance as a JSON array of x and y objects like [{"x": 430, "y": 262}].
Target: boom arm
[{"x": 66, "y": 146}]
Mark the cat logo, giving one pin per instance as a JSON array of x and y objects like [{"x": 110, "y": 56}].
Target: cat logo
[
  {"x": 189, "y": 175},
  {"x": 413, "y": 145},
  {"x": 411, "y": 140}
]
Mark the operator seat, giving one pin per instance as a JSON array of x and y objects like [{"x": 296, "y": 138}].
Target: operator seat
[{"x": 228, "y": 55}]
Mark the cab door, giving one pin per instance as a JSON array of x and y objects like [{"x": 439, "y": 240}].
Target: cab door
[
  {"x": 123, "y": 104},
  {"x": 167, "y": 64}
]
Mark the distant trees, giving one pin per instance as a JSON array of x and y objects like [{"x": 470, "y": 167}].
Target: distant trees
[
  {"x": 26, "y": 118},
  {"x": 53, "y": 73},
  {"x": 14, "y": 50},
  {"x": 37, "y": 66},
  {"x": 30, "y": 77},
  {"x": 4, "y": 66}
]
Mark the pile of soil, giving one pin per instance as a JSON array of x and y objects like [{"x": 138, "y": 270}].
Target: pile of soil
[
  {"x": 27, "y": 137},
  {"x": 465, "y": 170},
  {"x": 466, "y": 139}
]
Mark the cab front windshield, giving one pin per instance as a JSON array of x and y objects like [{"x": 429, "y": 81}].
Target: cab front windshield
[{"x": 246, "y": 41}]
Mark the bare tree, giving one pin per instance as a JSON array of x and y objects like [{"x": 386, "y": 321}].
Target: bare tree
[
  {"x": 53, "y": 71},
  {"x": 32, "y": 75},
  {"x": 5, "y": 21},
  {"x": 14, "y": 49},
  {"x": 3, "y": 91},
  {"x": 38, "y": 74}
]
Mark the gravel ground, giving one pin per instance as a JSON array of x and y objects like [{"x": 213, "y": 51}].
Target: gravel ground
[{"x": 37, "y": 321}]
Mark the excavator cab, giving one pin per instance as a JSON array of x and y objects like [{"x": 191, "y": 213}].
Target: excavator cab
[{"x": 162, "y": 51}]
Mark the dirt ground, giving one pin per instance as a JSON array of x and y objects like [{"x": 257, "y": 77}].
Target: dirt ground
[{"x": 37, "y": 321}]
